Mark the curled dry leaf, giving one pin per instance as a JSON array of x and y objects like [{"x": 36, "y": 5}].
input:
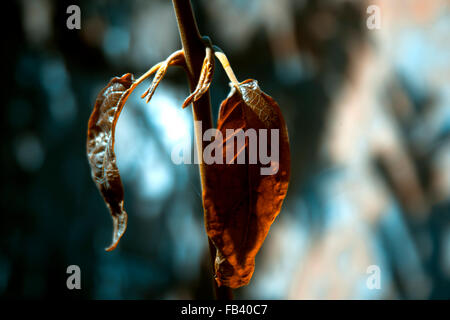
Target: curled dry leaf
[
  {"x": 204, "y": 80},
  {"x": 101, "y": 134},
  {"x": 176, "y": 58},
  {"x": 100, "y": 149},
  {"x": 240, "y": 202}
]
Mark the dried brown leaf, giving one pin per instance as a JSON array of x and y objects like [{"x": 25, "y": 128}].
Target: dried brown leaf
[
  {"x": 100, "y": 150},
  {"x": 241, "y": 203}
]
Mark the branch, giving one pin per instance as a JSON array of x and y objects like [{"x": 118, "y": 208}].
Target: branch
[{"x": 194, "y": 50}]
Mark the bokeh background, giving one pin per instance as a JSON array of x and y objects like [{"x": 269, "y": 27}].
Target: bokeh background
[{"x": 368, "y": 114}]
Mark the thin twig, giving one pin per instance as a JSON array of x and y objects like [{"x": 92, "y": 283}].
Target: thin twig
[{"x": 194, "y": 50}]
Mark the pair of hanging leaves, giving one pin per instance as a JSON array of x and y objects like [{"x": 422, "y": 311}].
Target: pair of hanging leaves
[{"x": 240, "y": 204}]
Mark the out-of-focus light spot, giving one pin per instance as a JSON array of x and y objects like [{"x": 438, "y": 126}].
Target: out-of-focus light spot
[
  {"x": 145, "y": 136},
  {"x": 156, "y": 177},
  {"x": 128, "y": 142},
  {"x": 152, "y": 15},
  {"x": 420, "y": 57},
  {"x": 290, "y": 69},
  {"x": 37, "y": 20},
  {"x": 55, "y": 80},
  {"x": 139, "y": 159},
  {"x": 54, "y": 76},
  {"x": 173, "y": 123},
  {"x": 251, "y": 6},
  {"x": 63, "y": 109},
  {"x": 29, "y": 152},
  {"x": 116, "y": 42},
  {"x": 93, "y": 30}
]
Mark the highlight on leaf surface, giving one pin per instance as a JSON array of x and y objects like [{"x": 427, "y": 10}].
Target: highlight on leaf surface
[
  {"x": 100, "y": 150},
  {"x": 240, "y": 202}
]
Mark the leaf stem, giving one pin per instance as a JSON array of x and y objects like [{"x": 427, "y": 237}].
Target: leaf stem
[
  {"x": 226, "y": 66},
  {"x": 173, "y": 59},
  {"x": 194, "y": 51},
  {"x": 151, "y": 71}
]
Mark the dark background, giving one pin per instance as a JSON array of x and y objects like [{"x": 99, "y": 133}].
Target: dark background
[{"x": 368, "y": 118}]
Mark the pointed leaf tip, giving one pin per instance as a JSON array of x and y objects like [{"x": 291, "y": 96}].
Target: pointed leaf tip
[{"x": 120, "y": 225}]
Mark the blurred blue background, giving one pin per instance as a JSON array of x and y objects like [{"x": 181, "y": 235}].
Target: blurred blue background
[{"x": 368, "y": 114}]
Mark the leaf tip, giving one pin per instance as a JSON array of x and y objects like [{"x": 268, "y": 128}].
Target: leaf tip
[
  {"x": 120, "y": 225},
  {"x": 187, "y": 102}
]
